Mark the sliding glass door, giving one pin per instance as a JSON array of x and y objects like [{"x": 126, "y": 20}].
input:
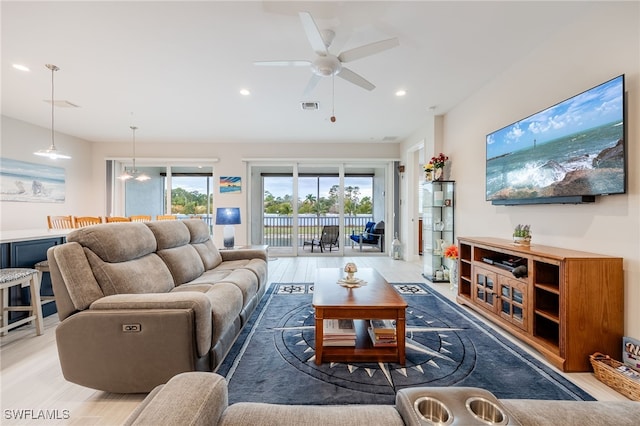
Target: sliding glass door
[
  {"x": 318, "y": 209},
  {"x": 274, "y": 209}
]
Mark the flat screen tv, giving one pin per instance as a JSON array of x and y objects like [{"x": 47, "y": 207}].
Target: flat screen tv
[{"x": 570, "y": 152}]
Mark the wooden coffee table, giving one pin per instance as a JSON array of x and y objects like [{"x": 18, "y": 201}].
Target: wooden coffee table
[{"x": 375, "y": 300}]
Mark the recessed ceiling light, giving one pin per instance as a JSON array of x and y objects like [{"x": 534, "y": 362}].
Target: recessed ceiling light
[
  {"x": 401, "y": 92},
  {"x": 21, "y": 67},
  {"x": 245, "y": 92}
]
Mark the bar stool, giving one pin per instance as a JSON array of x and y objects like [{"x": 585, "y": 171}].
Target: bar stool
[
  {"x": 24, "y": 277},
  {"x": 42, "y": 267},
  {"x": 54, "y": 222}
]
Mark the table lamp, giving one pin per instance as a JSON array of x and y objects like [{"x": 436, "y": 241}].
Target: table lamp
[{"x": 228, "y": 216}]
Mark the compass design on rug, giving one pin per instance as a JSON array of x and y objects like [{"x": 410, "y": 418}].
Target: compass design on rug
[{"x": 437, "y": 354}]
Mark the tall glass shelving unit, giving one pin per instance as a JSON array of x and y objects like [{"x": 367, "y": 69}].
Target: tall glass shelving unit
[{"x": 437, "y": 227}]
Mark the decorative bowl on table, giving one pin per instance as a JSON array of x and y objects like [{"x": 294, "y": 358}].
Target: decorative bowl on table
[{"x": 352, "y": 283}]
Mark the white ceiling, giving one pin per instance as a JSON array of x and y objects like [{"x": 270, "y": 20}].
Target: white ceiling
[{"x": 179, "y": 66}]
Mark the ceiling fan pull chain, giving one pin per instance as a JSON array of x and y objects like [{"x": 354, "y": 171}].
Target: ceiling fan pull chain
[{"x": 333, "y": 98}]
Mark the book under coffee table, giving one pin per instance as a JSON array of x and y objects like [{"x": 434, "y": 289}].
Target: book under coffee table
[{"x": 377, "y": 299}]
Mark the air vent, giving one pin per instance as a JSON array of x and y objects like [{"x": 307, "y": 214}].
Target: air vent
[
  {"x": 389, "y": 138},
  {"x": 310, "y": 106},
  {"x": 62, "y": 103}
]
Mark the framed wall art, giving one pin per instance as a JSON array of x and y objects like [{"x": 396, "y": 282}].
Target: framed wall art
[
  {"x": 31, "y": 182},
  {"x": 230, "y": 184}
]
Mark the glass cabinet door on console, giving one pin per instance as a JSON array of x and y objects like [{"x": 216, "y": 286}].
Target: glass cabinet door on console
[
  {"x": 437, "y": 228},
  {"x": 485, "y": 285},
  {"x": 512, "y": 304}
]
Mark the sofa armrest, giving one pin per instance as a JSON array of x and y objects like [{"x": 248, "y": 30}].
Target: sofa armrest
[
  {"x": 193, "y": 398},
  {"x": 191, "y": 300},
  {"x": 240, "y": 254}
]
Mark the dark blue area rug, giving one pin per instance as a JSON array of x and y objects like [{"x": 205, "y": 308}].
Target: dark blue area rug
[{"x": 273, "y": 358}]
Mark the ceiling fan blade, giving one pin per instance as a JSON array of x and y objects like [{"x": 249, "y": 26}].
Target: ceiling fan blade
[
  {"x": 356, "y": 79},
  {"x": 368, "y": 50},
  {"x": 283, "y": 63},
  {"x": 313, "y": 34},
  {"x": 313, "y": 82}
]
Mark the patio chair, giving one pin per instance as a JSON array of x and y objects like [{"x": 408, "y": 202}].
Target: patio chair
[
  {"x": 328, "y": 238},
  {"x": 373, "y": 235}
]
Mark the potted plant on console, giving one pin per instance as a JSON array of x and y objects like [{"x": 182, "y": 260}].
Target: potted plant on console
[{"x": 522, "y": 235}]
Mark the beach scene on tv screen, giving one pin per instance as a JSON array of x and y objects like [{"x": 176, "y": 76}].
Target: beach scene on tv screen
[{"x": 573, "y": 148}]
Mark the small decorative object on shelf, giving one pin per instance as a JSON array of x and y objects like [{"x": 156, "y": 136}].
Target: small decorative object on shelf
[
  {"x": 437, "y": 165},
  {"x": 522, "y": 235}
]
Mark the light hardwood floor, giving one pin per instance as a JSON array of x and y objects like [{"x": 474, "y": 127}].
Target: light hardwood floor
[{"x": 31, "y": 378}]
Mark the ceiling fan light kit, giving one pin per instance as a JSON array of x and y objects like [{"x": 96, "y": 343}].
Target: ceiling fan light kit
[{"x": 52, "y": 152}]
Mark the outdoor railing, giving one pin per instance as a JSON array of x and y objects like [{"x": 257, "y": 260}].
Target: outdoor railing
[{"x": 278, "y": 230}]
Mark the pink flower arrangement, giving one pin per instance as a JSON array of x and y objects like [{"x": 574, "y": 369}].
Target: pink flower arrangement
[{"x": 438, "y": 162}]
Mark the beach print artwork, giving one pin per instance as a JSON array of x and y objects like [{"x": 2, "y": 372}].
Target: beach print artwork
[
  {"x": 230, "y": 184},
  {"x": 30, "y": 182}
]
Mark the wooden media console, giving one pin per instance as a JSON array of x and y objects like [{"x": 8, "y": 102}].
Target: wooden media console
[{"x": 569, "y": 305}]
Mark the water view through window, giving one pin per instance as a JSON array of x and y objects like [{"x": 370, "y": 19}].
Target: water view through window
[{"x": 317, "y": 204}]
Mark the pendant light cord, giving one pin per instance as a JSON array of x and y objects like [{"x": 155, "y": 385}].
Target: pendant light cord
[
  {"x": 53, "y": 143},
  {"x": 333, "y": 99},
  {"x": 333, "y": 95},
  {"x": 134, "y": 128}
]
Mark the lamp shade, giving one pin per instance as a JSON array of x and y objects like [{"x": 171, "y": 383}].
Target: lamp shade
[{"x": 228, "y": 216}]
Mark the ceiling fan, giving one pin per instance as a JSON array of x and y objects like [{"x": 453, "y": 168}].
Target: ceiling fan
[{"x": 327, "y": 64}]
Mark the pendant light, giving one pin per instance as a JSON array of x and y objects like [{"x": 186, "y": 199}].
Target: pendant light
[
  {"x": 133, "y": 173},
  {"x": 52, "y": 152}
]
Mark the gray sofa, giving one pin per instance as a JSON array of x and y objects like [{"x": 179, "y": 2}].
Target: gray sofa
[
  {"x": 141, "y": 302},
  {"x": 201, "y": 399}
]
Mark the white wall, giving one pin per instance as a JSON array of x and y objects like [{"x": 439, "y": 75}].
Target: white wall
[
  {"x": 417, "y": 144},
  {"x": 19, "y": 141},
  {"x": 600, "y": 46}
]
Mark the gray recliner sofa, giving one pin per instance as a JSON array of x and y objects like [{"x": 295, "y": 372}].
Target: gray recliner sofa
[
  {"x": 141, "y": 302},
  {"x": 202, "y": 399}
]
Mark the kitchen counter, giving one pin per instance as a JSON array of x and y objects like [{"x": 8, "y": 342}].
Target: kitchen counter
[
  {"x": 23, "y": 248},
  {"x": 31, "y": 234}
]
